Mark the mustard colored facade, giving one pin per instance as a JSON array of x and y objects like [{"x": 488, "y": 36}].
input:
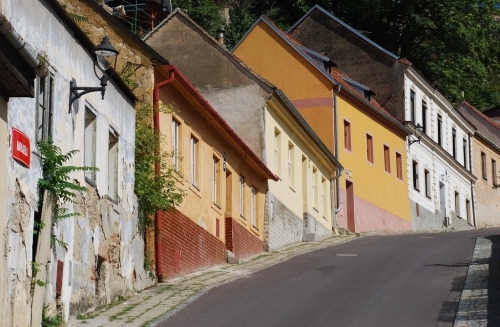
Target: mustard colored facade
[
  {"x": 373, "y": 195},
  {"x": 224, "y": 182}
]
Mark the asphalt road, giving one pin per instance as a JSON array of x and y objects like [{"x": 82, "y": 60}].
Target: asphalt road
[{"x": 404, "y": 280}]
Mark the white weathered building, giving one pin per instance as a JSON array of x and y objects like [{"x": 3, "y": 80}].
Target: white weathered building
[{"x": 104, "y": 253}]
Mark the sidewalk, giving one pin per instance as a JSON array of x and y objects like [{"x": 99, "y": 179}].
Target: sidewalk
[
  {"x": 473, "y": 306},
  {"x": 163, "y": 300}
]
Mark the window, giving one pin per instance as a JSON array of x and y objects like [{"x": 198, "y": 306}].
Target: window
[
  {"x": 465, "y": 152},
  {"x": 277, "y": 152},
  {"x": 454, "y": 142},
  {"x": 412, "y": 106},
  {"x": 424, "y": 117},
  {"x": 216, "y": 182},
  {"x": 399, "y": 166},
  {"x": 369, "y": 148},
  {"x": 483, "y": 165},
  {"x": 440, "y": 128},
  {"x": 291, "y": 165},
  {"x": 89, "y": 145},
  {"x": 323, "y": 198},
  {"x": 44, "y": 107},
  {"x": 314, "y": 191},
  {"x": 467, "y": 209},
  {"x": 242, "y": 183},
  {"x": 387, "y": 159},
  {"x": 113, "y": 166},
  {"x": 347, "y": 135},
  {"x": 194, "y": 161},
  {"x": 493, "y": 171},
  {"x": 254, "y": 207},
  {"x": 457, "y": 204},
  {"x": 415, "y": 175},
  {"x": 175, "y": 144},
  {"x": 427, "y": 178}
]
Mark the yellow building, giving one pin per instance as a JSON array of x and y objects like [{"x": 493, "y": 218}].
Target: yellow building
[
  {"x": 485, "y": 166},
  {"x": 224, "y": 182},
  {"x": 298, "y": 205},
  {"x": 373, "y": 191}
]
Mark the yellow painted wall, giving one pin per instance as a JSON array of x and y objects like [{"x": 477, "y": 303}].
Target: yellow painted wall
[
  {"x": 198, "y": 202},
  {"x": 485, "y": 194},
  {"x": 273, "y": 58},
  {"x": 371, "y": 181},
  {"x": 290, "y": 191}
]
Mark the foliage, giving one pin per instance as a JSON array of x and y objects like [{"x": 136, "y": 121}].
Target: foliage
[
  {"x": 127, "y": 74},
  {"x": 55, "y": 178},
  {"x": 154, "y": 192},
  {"x": 207, "y": 13},
  {"x": 54, "y": 321},
  {"x": 454, "y": 43}
]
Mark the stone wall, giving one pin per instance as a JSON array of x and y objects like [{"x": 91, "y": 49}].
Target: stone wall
[
  {"x": 424, "y": 219},
  {"x": 314, "y": 230},
  {"x": 281, "y": 226}
]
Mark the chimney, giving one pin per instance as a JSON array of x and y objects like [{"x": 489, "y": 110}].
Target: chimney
[{"x": 220, "y": 37}]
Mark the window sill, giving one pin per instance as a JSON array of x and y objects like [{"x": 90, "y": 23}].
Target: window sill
[
  {"x": 388, "y": 172},
  {"x": 112, "y": 200},
  {"x": 416, "y": 189},
  {"x": 370, "y": 163},
  {"x": 195, "y": 190},
  {"x": 291, "y": 188},
  {"x": 217, "y": 208},
  {"x": 315, "y": 209},
  {"x": 89, "y": 181},
  {"x": 255, "y": 230}
]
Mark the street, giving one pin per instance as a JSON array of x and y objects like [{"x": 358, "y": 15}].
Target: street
[{"x": 403, "y": 280}]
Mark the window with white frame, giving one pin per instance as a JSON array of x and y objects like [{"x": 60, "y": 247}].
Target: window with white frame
[
  {"x": 216, "y": 181},
  {"x": 314, "y": 191},
  {"x": 277, "y": 152},
  {"x": 415, "y": 176},
  {"x": 323, "y": 198},
  {"x": 464, "y": 150},
  {"x": 175, "y": 144},
  {"x": 242, "y": 198},
  {"x": 457, "y": 204},
  {"x": 44, "y": 94},
  {"x": 412, "y": 106},
  {"x": 113, "y": 167},
  {"x": 291, "y": 167},
  {"x": 254, "y": 207},
  {"x": 89, "y": 142},
  {"x": 194, "y": 144}
]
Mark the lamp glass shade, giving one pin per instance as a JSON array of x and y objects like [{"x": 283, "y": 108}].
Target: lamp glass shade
[{"x": 105, "y": 53}]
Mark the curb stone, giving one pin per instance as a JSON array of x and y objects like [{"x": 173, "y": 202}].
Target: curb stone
[{"x": 473, "y": 307}]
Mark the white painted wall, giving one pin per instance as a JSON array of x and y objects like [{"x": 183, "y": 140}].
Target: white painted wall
[{"x": 429, "y": 155}]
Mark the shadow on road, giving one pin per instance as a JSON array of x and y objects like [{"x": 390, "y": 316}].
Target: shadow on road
[{"x": 494, "y": 282}]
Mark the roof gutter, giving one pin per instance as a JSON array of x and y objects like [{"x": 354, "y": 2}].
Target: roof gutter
[
  {"x": 18, "y": 42},
  {"x": 156, "y": 123}
]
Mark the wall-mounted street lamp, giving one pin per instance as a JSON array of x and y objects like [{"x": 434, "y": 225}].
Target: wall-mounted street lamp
[
  {"x": 418, "y": 134},
  {"x": 105, "y": 56}
]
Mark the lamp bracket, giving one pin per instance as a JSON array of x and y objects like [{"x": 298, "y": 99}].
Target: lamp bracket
[{"x": 77, "y": 91}]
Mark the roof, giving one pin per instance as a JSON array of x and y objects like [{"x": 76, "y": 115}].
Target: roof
[
  {"x": 85, "y": 41},
  {"x": 235, "y": 60},
  {"x": 335, "y": 77},
  {"x": 486, "y": 127},
  {"x": 219, "y": 120},
  {"x": 355, "y": 32}
]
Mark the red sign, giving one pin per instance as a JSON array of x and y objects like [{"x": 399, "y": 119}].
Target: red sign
[{"x": 21, "y": 150}]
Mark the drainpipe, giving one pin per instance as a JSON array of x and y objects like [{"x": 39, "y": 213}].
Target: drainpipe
[
  {"x": 156, "y": 123},
  {"x": 336, "y": 208},
  {"x": 17, "y": 42}
]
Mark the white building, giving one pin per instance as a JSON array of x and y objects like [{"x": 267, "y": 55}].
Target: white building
[{"x": 104, "y": 252}]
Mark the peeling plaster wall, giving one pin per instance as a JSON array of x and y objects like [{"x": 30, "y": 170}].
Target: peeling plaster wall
[{"x": 104, "y": 253}]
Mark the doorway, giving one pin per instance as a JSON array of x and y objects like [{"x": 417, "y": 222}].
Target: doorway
[{"x": 349, "y": 190}]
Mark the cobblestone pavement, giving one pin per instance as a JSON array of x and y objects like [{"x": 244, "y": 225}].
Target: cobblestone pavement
[
  {"x": 165, "y": 299},
  {"x": 473, "y": 306}
]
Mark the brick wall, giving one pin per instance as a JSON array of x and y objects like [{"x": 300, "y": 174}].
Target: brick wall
[
  {"x": 185, "y": 246},
  {"x": 242, "y": 242}
]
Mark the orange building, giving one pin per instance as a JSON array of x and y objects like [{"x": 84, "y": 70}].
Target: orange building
[
  {"x": 224, "y": 183},
  {"x": 371, "y": 144}
]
